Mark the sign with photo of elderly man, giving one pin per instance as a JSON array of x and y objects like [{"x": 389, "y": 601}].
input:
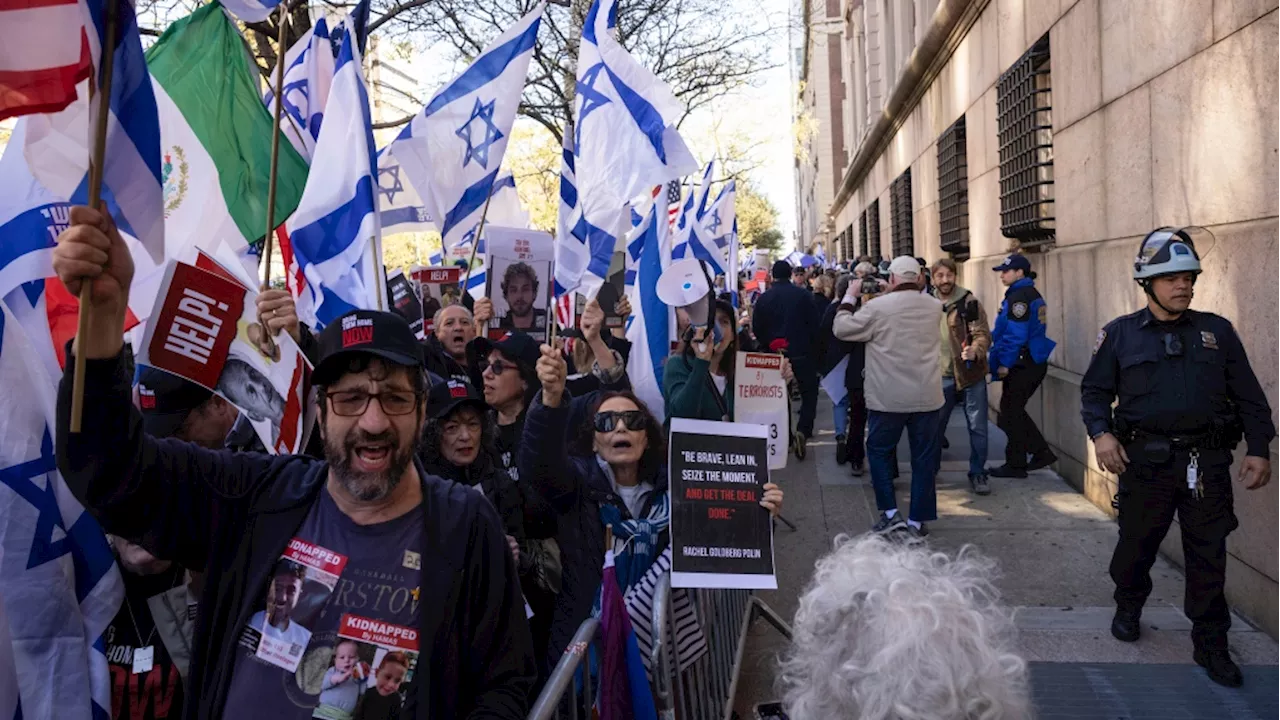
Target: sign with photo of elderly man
[
  {"x": 519, "y": 267},
  {"x": 205, "y": 329}
]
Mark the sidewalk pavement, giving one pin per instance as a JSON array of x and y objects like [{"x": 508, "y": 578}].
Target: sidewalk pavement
[{"x": 1053, "y": 548}]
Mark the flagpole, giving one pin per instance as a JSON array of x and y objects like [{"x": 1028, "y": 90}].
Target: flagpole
[
  {"x": 275, "y": 150},
  {"x": 95, "y": 197},
  {"x": 475, "y": 242}
]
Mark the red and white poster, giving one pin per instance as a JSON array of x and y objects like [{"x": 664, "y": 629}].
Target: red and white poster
[
  {"x": 440, "y": 287},
  {"x": 372, "y": 660},
  {"x": 205, "y": 328},
  {"x": 304, "y": 577}
]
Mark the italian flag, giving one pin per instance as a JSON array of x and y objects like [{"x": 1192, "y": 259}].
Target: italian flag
[{"x": 215, "y": 140}]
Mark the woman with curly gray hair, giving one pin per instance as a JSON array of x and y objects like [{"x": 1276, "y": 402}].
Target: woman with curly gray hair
[{"x": 892, "y": 631}]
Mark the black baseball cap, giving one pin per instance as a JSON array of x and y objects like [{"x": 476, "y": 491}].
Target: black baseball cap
[
  {"x": 514, "y": 344},
  {"x": 1014, "y": 262},
  {"x": 371, "y": 332},
  {"x": 447, "y": 396},
  {"x": 165, "y": 400}
]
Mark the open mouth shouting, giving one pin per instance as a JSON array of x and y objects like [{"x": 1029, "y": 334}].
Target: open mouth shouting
[{"x": 372, "y": 457}]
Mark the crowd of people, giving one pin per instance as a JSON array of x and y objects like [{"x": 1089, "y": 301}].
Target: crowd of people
[{"x": 436, "y": 547}]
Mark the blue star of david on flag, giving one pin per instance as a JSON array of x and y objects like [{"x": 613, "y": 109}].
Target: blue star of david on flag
[
  {"x": 396, "y": 186},
  {"x": 592, "y": 100},
  {"x": 490, "y": 134},
  {"x": 714, "y": 225}
]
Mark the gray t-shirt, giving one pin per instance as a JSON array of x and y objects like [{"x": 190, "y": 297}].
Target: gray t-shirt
[{"x": 343, "y": 600}]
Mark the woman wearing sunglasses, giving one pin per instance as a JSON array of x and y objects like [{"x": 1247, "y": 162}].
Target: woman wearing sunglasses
[{"x": 615, "y": 474}]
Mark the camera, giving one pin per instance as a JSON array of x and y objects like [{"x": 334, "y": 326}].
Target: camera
[{"x": 869, "y": 286}]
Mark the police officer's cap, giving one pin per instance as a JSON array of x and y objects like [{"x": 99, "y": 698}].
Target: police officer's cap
[{"x": 1168, "y": 250}]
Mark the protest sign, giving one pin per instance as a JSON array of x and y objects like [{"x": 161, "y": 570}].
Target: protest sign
[
  {"x": 405, "y": 302},
  {"x": 833, "y": 382},
  {"x": 205, "y": 329},
  {"x": 760, "y": 396},
  {"x": 720, "y": 536},
  {"x": 440, "y": 288},
  {"x": 519, "y": 267}
]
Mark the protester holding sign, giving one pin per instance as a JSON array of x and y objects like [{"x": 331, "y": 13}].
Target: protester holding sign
[
  {"x": 253, "y": 521},
  {"x": 615, "y": 475},
  {"x": 595, "y": 363}
]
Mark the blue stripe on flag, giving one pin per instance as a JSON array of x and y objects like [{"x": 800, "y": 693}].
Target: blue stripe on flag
[
  {"x": 328, "y": 236},
  {"x": 132, "y": 100},
  {"x": 484, "y": 69},
  {"x": 600, "y": 242},
  {"x": 28, "y": 232},
  {"x": 470, "y": 201},
  {"x": 646, "y": 116}
]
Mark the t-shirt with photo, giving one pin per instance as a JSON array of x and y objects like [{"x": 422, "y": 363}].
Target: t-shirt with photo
[{"x": 379, "y": 579}]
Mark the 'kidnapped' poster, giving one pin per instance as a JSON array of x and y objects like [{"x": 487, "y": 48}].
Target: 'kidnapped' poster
[{"x": 720, "y": 535}]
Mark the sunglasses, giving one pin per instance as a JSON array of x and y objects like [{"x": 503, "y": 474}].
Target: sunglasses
[
  {"x": 497, "y": 367},
  {"x": 608, "y": 420}
]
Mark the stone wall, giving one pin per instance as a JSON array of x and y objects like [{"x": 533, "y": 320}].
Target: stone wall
[{"x": 1164, "y": 113}]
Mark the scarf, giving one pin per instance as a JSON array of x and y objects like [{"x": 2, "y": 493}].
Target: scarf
[{"x": 635, "y": 541}]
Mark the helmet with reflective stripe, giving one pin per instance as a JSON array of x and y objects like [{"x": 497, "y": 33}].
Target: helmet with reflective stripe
[{"x": 1167, "y": 251}]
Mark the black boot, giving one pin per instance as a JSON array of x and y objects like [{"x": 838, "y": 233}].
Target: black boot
[
  {"x": 1004, "y": 471},
  {"x": 1042, "y": 460},
  {"x": 842, "y": 449},
  {"x": 1217, "y": 662},
  {"x": 1126, "y": 626}
]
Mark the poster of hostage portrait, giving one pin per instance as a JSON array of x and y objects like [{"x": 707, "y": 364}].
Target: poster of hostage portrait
[
  {"x": 440, "y": 287},
  {"x": 720, "y": 536},
  {"x": 304, "y": 577},
  {"x": 519, "y": 279},
  {"x": 205, "y": 329}
]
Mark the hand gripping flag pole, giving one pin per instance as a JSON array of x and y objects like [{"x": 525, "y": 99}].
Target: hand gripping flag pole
[{"x": 95, "y": 198}]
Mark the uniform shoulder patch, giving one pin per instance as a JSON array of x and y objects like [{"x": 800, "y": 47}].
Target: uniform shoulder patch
[
  {"x": 1042, "y": 313},
  {"x": 1019, "y": 310},
  {"x": 1102, "y": 335}
]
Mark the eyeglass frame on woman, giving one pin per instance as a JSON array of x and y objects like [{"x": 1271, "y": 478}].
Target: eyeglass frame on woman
[
  {"x": 417, "y": 398},
  {"x": 612, "y": 417}
]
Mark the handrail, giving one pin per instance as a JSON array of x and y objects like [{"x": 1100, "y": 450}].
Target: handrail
[{"x": 562, "y": 676}]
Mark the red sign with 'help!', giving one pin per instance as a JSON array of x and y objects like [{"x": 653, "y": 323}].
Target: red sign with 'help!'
[{"x": 195, "y": 324}]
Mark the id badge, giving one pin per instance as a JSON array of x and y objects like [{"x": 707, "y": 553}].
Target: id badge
[{"x": 143, "y": 658}]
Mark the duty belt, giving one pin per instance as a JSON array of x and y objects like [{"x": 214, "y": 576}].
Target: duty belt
[{"x": 1200, "y": 441}]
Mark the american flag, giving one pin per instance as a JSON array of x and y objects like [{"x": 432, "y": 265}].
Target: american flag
[
  {"x": 673, "y": 202},
  {"x": 44, "y": 52}
]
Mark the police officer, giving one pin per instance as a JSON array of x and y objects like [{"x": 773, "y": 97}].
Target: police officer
[
  {"x": 1019, "y": 357},
  {"x": 1187, "y": 394}
]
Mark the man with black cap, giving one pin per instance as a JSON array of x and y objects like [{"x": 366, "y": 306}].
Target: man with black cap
[
  {"x": 787, "y": 312},
  {"x": 418, "y": 561},
  {"x": 1019, "y": 357}
]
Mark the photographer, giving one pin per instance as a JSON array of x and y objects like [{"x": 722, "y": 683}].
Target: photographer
[{"x": 965, "y": 342}]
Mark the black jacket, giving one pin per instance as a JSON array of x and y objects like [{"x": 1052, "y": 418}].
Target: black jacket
[
  {"x": 232, "y": 515},
  {"x": 833, "y": 349},
  {"x": 787, "y": 311},
  {"x": 575, "y": 487}
]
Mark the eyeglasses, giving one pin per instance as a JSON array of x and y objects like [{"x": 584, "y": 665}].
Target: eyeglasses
[
  {"x": 1172, "y": 345},
  {"x": 497, "y": 367},
  {"x": 607, "y": 420},
  {"x": 350, "y": 403}
]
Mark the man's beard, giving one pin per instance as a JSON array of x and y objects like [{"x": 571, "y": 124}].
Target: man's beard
[
  {"x": 522, "y": 309},
  {"x": 367, "y": 487}
]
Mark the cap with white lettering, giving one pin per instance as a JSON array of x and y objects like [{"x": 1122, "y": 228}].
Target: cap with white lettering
[{"x": 372, "y": 332}]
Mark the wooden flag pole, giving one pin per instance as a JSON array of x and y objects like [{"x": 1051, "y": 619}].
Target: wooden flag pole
[
  {"x": 95, "y": 198},
  {"x": 475, "y": 242},
  {"x": 267, "y": 238}
]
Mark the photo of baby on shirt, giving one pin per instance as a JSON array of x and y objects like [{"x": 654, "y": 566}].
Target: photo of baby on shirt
[{"x": 370, "y": 672}]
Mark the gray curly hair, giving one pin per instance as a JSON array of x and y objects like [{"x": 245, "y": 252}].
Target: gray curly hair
[{"x": 892, "y": 631}]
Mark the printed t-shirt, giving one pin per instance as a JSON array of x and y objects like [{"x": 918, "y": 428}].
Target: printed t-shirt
[
  {"x": 154, "y": 693},
  {"x": 338, "y": 583}
]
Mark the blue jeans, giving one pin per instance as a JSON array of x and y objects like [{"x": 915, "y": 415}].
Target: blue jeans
[
  {"x": 840, "y": 415},
  {"x": 884, "y": 431},
  {"x": 974, "y": 399}
]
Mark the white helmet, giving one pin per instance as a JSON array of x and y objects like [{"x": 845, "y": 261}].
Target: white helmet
[{"x": 1166, "y": 251}]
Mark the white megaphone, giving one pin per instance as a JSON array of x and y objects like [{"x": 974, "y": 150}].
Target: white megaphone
[{"x": 685, "y": 284}]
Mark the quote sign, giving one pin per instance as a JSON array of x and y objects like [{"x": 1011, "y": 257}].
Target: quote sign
[
  {"x": 720, "y": 536},
  {"x": 760, "y": 398}
]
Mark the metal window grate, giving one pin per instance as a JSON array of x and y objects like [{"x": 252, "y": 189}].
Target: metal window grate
[
  {"x": 862, "y": 234},
  {"x": 1023, "y": 104},
  {"x": 873, "y": 228},
  {"x": 953, "y": 190},
  {"x": 900, "y": 215}
]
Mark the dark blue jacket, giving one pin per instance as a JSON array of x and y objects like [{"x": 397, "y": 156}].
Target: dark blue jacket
[
  {"x": 231, "y": 515},
  {"x": 575, "y": 487},
  {"x": 1020, "y": 324},
  {"x": 787, "y": 311},
  {"x": 832, "y": 350}
]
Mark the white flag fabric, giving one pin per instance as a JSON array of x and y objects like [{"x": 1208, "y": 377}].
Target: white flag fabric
[
  {"x": 336, "y": 222},
  {"x": 691, "y": 212},
  {"x": 59, "y": 584},
  {"x": 451, "y": 151},
  {"x": 624, "y": 142},
  {"x": 250, "y": 10},
  {"x": 57, "y": 145},
  {"x": 308, "y": 75},
  {"x": 650, "y": 328}
]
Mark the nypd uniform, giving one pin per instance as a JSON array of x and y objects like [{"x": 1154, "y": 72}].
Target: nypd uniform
[
  {"x": 1186, "y": 395},
  {"x": 1020, "y": 344}
]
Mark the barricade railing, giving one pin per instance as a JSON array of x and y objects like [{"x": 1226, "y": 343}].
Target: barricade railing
[
  {"x": 705, "y": 689},
  {"x": 568, "y": 693}
]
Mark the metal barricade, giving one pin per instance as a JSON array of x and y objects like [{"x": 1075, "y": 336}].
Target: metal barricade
[
  {"x": 568, "y": 692},
  {"x": 705, "y": 689}
]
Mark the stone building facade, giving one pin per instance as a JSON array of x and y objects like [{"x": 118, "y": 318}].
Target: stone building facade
[{"x": 1110, "y": 118}]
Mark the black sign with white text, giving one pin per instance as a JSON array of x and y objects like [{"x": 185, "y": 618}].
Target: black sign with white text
[
  {"x": 720, "y": 536},
  {"x": 405, "y": 301}
]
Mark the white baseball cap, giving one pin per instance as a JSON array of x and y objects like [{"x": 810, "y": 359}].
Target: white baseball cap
[{"x": 905, "y": 267}]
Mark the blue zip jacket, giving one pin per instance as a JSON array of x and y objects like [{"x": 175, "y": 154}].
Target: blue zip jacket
[{"x": 1020, "y": 324}]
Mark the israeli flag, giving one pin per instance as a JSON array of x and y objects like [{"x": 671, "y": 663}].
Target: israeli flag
[
  {"x": 624, "y": 142},
  {"x": 308, "y": 75},
  {"x": 335, "y": 233},
  {"x": 59, "y": 584},
  {"x": 721, "y": 224},
  {"x": 57, "y": 146},
  {"x": 452, "y": 149},
  {"x": 250, "y": 10},
  {"x": 399, "y": 206},
  {"x": 650, "y": 328}
]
